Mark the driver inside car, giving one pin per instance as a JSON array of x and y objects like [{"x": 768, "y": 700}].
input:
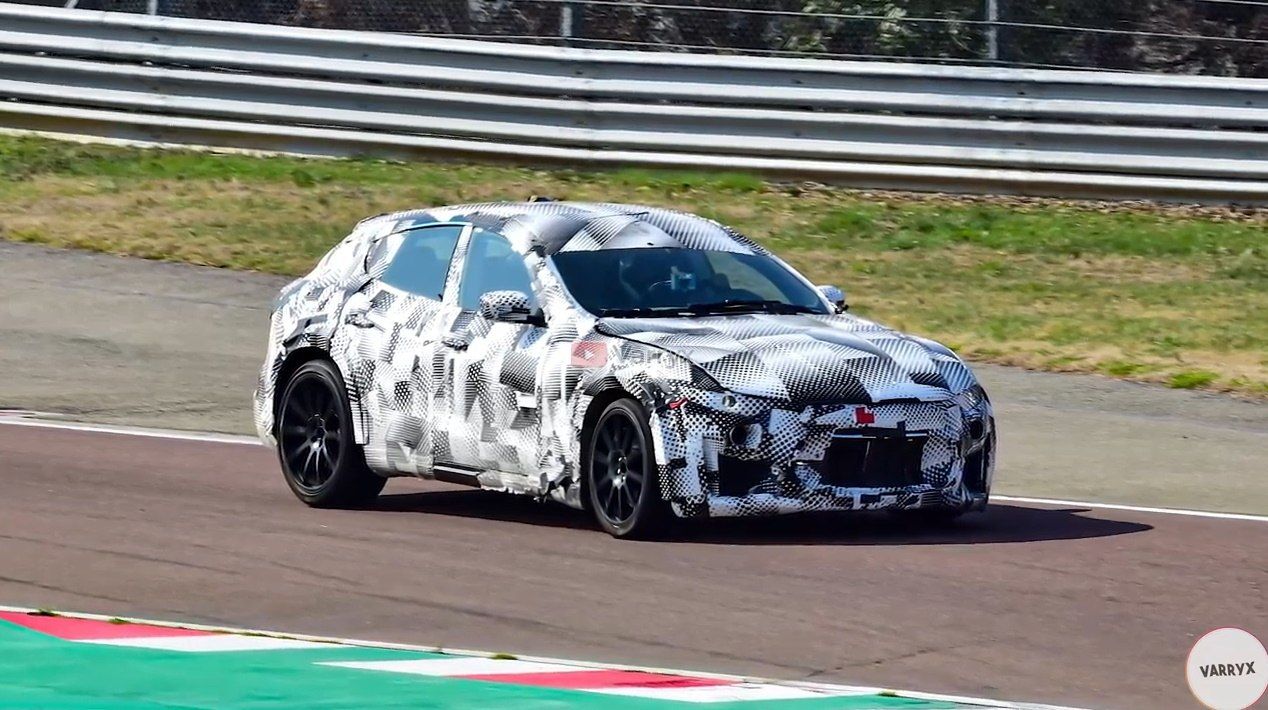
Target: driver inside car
[{"x": 656, "y": 278}]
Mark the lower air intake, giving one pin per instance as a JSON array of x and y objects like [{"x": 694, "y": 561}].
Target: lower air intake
[{"x": 874, "y": 458}]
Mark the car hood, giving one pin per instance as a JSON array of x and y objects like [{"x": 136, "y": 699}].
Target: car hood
[{"x": 804, "y": 359}]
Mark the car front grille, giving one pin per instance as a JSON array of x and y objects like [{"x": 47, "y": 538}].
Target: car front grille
[
  {"x": 874, "y": 458},
  {"x": 737, "y": 477}
]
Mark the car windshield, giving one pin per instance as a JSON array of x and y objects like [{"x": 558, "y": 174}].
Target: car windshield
[{"x": 652, "y": 282}]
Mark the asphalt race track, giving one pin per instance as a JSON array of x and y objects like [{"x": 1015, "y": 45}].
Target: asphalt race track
[{"x": 1070, "y": 605}]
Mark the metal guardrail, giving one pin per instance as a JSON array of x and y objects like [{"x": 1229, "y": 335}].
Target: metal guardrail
[{"x": 1085, "y": 134}]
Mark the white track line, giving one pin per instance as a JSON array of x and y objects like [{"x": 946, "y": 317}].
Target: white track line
[
  {"x": 850, "y": 689},
  {"x": 741, "y": 692},
  {"x": 1135, "y": 508},
  {"x": 455, "y": 666},
  {"x": 28, "y": 419}
]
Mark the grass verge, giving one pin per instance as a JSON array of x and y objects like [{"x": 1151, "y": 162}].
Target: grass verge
[{"x": 1143, "y": 292}]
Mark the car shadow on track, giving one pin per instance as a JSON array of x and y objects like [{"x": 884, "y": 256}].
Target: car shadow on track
[{"x": 1001, "y": 523}]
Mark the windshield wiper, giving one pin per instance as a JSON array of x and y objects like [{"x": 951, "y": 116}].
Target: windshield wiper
[
  {"x": 742, "y": 306},
  {"x": 695, "y": 309},
  {"x": 644, "y": 312}
]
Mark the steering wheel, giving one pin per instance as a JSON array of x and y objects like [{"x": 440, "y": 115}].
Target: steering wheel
[{"x": 660, "y": 288}]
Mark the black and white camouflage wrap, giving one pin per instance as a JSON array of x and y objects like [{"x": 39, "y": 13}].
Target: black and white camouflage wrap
[{"x": 430, "y": 383}]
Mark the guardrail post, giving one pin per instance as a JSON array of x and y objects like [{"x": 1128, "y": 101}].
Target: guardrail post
[
  {"x": 567, "y": 22},
  {"x": 992, "y": 30}
]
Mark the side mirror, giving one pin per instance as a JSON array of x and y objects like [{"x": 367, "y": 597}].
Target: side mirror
[
  {"x": 835, "y": 296},
  {"x": 510, "y": 307}
]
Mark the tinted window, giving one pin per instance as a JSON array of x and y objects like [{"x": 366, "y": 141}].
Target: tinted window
[
  {"x": 743, "y": 275},
  {"x": 421, "y": 260},
  {"x": 491, "y": 266},
  {"x": 674, "y": 279}
]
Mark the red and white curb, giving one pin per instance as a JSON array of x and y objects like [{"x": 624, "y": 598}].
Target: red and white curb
[
  {"x": 612, "y": 681},
  {"x": 83, "y": 629},
  {"x": 638, "y": 681}
]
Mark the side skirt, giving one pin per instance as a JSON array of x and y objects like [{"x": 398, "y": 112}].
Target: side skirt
[{"x": 452, "y": 473}]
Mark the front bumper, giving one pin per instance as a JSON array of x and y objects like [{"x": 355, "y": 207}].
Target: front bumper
[
  {"x": 831, "y": 500},
  {"x": 779, "y": 464},
  {"x": 262, "y": 409}
]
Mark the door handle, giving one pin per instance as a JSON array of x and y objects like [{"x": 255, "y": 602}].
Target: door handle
[{"x": 457, "y": 342}]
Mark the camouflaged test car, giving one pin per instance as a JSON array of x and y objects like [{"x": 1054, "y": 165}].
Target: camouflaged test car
[{"x": 633, "y": 361}]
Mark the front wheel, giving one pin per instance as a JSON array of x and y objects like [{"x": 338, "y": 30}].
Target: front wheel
[
  {"x": 621, "y": 473},
  {"x": 321, "y": 461}
]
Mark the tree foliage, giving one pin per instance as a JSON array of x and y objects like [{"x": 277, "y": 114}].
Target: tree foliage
[{"x": 1181, "y": 36}]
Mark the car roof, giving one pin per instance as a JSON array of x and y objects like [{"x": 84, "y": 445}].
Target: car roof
[{"x": 549, "y": 227}]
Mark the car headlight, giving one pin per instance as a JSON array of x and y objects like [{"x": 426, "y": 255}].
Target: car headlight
[
  {"x": 973, "y": 403},
  {"x": 672, "y": 380},
  {"x": 972, "y": 398}
]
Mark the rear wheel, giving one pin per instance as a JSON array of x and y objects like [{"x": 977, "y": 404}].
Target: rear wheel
[
  {"x": 621, "y": 473},
  {"x": 320, "y": 460}
]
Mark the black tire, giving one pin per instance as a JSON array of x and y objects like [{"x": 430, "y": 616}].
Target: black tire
[
  {"x": 621, "y": 479},
  {"x": 320, "y": 459}
]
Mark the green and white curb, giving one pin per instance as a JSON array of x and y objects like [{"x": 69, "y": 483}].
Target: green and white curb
[{"x": 87, "y": 661}]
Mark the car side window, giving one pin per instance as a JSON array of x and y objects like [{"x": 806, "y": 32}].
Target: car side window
[
  {"x": 421, "y": 259},
  {"x": 492, "y": 265}
]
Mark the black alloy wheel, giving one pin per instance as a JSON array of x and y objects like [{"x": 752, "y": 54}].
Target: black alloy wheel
[
  {"x": 321, "y": 462},
  {"x": 621, "y": 473}
]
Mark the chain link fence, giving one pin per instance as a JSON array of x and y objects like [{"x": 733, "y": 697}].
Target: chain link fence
[{"x": 1212, "y": 37}]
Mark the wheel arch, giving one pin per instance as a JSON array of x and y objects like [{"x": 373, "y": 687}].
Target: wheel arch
[
  {"x": 296, "y": 359},
  {"x": 594, "y": 409},
  {"x": 651, "y": 520}
]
